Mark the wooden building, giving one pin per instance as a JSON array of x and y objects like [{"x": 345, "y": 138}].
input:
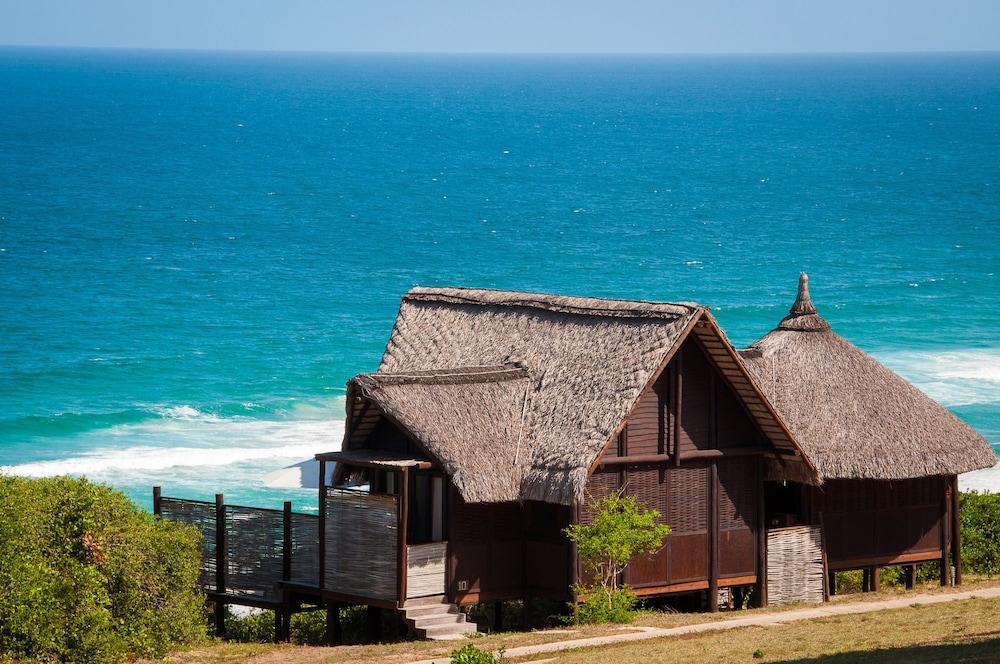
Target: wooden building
[{"x": 495, "y": 416}]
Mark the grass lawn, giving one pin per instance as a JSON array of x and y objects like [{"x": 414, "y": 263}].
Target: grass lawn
[{"x": 953, "y": 632}]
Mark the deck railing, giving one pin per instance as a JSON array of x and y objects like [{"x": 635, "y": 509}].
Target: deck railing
[{"x": 247, "y": 551}]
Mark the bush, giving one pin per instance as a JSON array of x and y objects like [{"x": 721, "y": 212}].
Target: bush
[
  {"x": 470, "y": 654},
  {"x": 619, "y": 608},
  {"x": 980, "y": 524},
  {"x": 86, "y": 576},
  {"x": 622, "y": 529}
]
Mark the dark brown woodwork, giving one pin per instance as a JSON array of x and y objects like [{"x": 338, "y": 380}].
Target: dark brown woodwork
[
  {"x": 156, "y": 500},
  {"x": 220, "y": 564},
  {"x": 403, "y": 516},
  {"x": 334, "y": 634},
  {"x": 945, "y": 505},
  {"x": 322, "y": 522},
  {"x": 761, "y": 538},
  {"x": 956, "y": 531},
  {"x": 713, "y": 538},
  {"x": 286, "y": 541},
  {"x": 909, "y": 576}
]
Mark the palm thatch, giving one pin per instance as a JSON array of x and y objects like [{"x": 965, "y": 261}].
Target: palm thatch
[
  {"x": 531, "y": 432},
  {"x": 852, "y": 416},
  {"x": 470, "y": 418}
]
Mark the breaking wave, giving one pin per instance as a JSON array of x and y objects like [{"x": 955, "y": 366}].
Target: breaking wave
[{"x": 954, "y": 377}]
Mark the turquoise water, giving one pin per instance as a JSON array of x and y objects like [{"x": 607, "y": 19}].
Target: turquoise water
[{"x": 197, "y": 250}]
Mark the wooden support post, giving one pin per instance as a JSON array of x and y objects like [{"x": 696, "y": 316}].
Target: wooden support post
[
  {"x": 678, "y": 403},
  {"x": 945, "y": 577},
  {"x": 402, "y": 562},
  {"x": 286, "y": 542},
  {"x": 956, "y": 531},
  {"x": 909, "y": 576},
  {"x": 322, "y": 525},
  {"x": 713, "y": 539},
  {"x": 373, "y": 624},
  {"x": 831, "y": 577},
  {"x": 279, "y": 626},
  {"x": 876, "y": 582},
  {"x": 498, "y": 616},
  {"x": 865, "y": 587},
  {"x": 761, "y": 537},
  {"x": 334, "y": 635},
  {"x": 156, "y": 500},
  {"x": 220, "y": 563}
]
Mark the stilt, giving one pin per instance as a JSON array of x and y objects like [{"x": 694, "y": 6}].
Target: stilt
[
  {"x": 909, "y": 576},
  {"x": 334, "y": 635},
  {"x": 526, "y": 613},
  {"x": 497, "y": 616},
  {"x": 866, "y": 580},
  {"x": 374, "y": 624},
  {"x": 876, "y": 581},
  {"x": 220, "y": 619},
  {"x": 832, "y": 582},
  {"x": 279, "y": 624}
]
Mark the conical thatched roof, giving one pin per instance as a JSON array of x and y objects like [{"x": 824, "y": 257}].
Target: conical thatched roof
[
  {"x": 446, "y": 409},
  {"x": 852, "y": 416},
  {"x": 584, "y": 362}
]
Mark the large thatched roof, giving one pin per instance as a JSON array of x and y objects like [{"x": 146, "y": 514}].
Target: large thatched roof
[
  {"x": 533, "y": 431},
  {"x": 852, "y": 416}
]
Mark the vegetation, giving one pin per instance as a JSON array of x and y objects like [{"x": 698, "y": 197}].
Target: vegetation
[
  {"x": 980, "y": 523},
  {"x": 470, "y": 654},
  {"x": 622, "y": 529},
  {"x": 960, "y": 631},
  {"x": 86, "y": 576}
]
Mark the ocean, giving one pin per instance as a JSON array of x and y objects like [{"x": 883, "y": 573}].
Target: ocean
[{"x": 198, "y": 249}]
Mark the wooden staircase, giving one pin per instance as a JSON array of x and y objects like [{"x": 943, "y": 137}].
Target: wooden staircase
[{"x": 436, "y": 618}]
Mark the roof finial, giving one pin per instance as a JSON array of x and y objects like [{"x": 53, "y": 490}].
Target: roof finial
[{"x": 803, "y": 303}]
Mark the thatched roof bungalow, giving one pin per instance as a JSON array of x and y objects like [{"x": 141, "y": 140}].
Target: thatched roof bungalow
[{"x": 495, "y": 416}]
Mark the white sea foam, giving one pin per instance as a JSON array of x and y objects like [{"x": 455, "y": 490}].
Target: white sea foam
[
  {"x": 187, "y": 445},
  {"x": 953, "y": 377}
]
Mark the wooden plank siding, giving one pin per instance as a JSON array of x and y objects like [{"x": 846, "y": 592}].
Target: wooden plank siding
[
  {"x": 689, "y": 411},
  {"x": 868, "y": 522}
]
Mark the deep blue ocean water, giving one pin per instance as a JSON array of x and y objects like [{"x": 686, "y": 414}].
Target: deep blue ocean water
[{"x": 197, "y": 250}]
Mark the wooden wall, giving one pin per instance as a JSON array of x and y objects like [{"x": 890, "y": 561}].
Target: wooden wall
[
  {"x": 868, "y": 522},
  {"x": 507, "y": 550},
  {"x": 686, "y": 429}
]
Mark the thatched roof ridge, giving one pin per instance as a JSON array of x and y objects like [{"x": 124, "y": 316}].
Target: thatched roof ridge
[
  {"x": 852, "y": 416},
  {"x": 567, "y": 304},
  {"x": 588, "y": 359},
  {"x": 445, "y": 409}
]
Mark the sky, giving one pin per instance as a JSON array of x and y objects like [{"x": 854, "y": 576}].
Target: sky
[{"x": 509, "y": 26}]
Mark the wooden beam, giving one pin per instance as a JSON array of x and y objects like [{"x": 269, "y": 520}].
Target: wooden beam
[
  {"x": 761, "y": 537},
  {"x": 713, "y": 540},
  {"x": 945, "y": 577},
  {"x": 286, "y": 542},
  {"x": 956, "y": 531},
  {"x": 402, "y": 557},
  {"x": 220, "y": 563},
  {"x": 322, "y": 523},
  {"x": 678, "y": 404},
  {"x": 156, "y": 500}
]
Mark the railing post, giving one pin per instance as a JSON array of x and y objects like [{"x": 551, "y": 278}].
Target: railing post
[
  {"x": 286, "y": 548},
  {"x": 220, "y": 564},
  {"x": 156, "y": 500},
  {"x": 322, "y": 524}
]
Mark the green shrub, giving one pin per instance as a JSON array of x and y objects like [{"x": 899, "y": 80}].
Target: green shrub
[
  {"x": 617, "y": 608},
  {"x": 470, "y": 654},
  {"x": 86, "y": 576},
  {"x": 980, "y": 523},
  {"x": 622, "y": 529}
]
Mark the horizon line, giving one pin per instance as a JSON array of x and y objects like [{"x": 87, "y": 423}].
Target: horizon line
[{"x": 177, "y": 49}]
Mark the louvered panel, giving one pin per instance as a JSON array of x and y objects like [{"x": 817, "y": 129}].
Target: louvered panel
[
  {"x": 688, "y": 501},
  {"x": 600, "y": 485},
  {"x": 737, "y": 495}
]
